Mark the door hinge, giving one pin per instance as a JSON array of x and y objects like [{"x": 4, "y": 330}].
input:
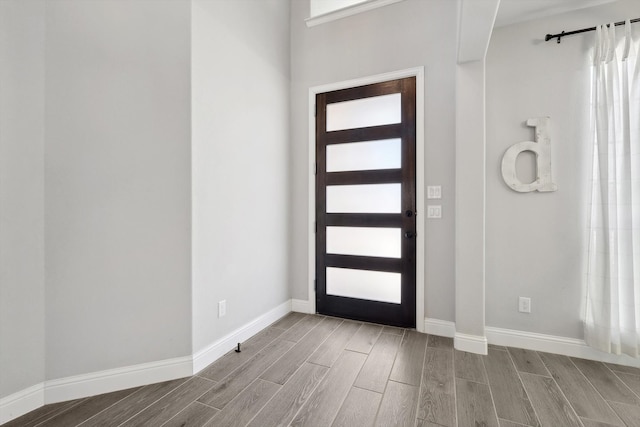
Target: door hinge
[
  {"x": 315, "y": 226},
  {"x": 315, "y": 285},
  {"x": 315, "y": 169},
  {"x": 315, "y": 110}
]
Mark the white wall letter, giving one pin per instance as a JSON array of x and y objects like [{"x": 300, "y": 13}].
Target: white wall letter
[{"x": 542, "y": 148}]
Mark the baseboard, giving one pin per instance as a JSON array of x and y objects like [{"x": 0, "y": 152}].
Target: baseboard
[
  {"x": 214, "y": 351},
  {"x": 20, "y": 403},
  {"x": 553, "y": 344},
  {"x": 470, "y": 343},
  {"x": 301, "y": 306},
  {"x": 442, "y": 328},
  {"x": 79, "y": 386}
]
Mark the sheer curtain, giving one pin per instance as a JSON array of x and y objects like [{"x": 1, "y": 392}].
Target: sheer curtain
[{"x": 612, "y": 322}]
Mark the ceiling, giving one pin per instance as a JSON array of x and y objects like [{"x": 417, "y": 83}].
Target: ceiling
[{"x": 512, "y": 11}]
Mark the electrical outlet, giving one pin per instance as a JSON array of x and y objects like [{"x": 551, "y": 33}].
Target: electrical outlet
[
  {"x": 222, "y": 308},
  {"x": 524, "y": 305}
]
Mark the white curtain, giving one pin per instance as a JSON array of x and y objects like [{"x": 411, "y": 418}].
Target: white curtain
[{"x": 612, "y": 322}]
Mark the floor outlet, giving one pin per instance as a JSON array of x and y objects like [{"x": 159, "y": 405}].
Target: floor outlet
[{"x": 222, "y": 308}]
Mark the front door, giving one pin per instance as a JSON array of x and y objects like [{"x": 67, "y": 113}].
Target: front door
[{"x": 366, "y": 203}]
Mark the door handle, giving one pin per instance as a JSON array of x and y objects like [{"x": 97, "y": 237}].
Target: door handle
[{"x": 409, "y": 235}]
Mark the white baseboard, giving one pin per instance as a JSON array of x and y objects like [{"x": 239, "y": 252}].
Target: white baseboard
[
  {"x": 301, "y": 306},
  {"x": 553, "y": 344},
  {"x": 470, "y": 343},
  {"x": 441, "y": 328},
  {"x": 20, "y": 403},
  {"x": 79, "y": 386},
  {"x": 214, "y": 351}
]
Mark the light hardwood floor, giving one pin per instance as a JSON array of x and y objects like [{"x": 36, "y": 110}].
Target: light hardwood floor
[{"x": 309, "y": 370}]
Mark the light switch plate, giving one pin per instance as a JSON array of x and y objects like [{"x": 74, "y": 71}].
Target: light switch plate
[
  {"x": 434, "y": 192},
  {"x": 434, "y": 211}
]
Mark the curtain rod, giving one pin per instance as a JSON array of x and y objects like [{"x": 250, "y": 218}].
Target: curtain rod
[{"x": 584, "y": 30}]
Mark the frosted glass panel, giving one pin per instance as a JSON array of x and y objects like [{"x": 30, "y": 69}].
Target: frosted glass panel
[
  {"x": 359, "y": 113},
  {"x": 366, "y": 241},
  {"x": 364, "y": 284},
  {"x": 357, "y": 156},
  {"x": 369, "y": 198}
]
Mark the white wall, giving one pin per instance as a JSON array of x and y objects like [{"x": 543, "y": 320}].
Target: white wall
[
  {"x": 117, "y": 184},
  {"x": 22, "y": 336},
  {"x": 396, "y": 37},
  {"x": 536, "y": 241},
  {"x": 240, "y": 115}
]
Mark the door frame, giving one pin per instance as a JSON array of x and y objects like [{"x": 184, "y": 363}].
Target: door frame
[{"x": 418, "y": 73}]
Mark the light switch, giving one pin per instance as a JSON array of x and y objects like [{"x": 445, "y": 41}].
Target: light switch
[
  {"x": 434, "y": 192},
  {"x": 434, "y": 211}
]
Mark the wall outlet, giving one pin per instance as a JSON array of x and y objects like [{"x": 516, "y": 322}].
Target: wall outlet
[
  {"x": 524, "y": 305},
  {"x": 222, "y": 308}
]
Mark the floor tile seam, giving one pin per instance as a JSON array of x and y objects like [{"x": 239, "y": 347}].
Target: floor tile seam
[
  {"x": 621, "y": 422},
  {"x": 286, "y": 329},
  {"x": 256, "y": 353},
  {"x": 342, "y": 349},
  {"x": 112, "y": 405},
  {"x": 259, "y": 376},
  {"x": 493, "y": 401},
  {"x": 374, "y": 342},
  {"x": 38, "y": 423},
  {"x": 257, "y": 411},
  {"x": 312, "y": 329},
  {"x": 318, "y": 385},
  {"x": 251, "y": 359},
  {"x": 421, "y": 383},
  {"x": 179, "y": 412},
  {"x": 557, "y": 385},
  {"x": 513, "y": 422},
  {"x": 515, "y": 369},
  {"x": 47, "y": 416},
  {"x": 532, "y": 373},
  {"x": 162, "y": 397},
  {"x": 306, "y": 360},
  {"x": 455, "y": 390},
  {"x": 615, "y": 373}
]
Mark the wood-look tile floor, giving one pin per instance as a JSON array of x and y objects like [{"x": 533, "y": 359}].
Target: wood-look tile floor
[{"x": 307, "y": 370}]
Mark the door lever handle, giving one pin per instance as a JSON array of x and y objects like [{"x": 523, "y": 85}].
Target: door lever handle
[{"x": 409, "y": 234}]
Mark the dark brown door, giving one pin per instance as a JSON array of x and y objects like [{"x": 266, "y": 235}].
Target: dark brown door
[{"x": 366, "y": 203}]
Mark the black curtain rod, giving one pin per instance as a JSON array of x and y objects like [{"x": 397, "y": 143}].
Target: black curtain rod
[{"x": 559, "y": 36}]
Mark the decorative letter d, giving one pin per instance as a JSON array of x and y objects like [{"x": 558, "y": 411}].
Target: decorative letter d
[{"x": 542, "y": 148}]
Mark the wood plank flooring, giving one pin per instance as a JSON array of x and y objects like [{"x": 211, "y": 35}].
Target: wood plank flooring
[{"x": 307, "y": 370}]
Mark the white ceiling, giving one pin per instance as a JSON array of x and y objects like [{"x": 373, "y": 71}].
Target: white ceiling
[{"x": 512, "y": 11}]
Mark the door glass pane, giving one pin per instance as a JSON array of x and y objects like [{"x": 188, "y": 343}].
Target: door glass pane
[
  {"x": 364, "y": 284},
  {"x": 365, "y": 241},
  {"x": 359, "y": 113},
  {"x": 369, "y": 198},
  {"x": 358, "y": 156}
]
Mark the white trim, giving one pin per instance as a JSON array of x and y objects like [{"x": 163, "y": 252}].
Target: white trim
[
  {"x": 418, "y": 73},
  {"x": 470, "y": 343},
  {"x": 553, "y": 344},
  {"x": 21, "y": 402},
  {"x": 301, "y": 306},
  {"x": 214, "y": 351},
  {"x": 348, "y": 11},
  {"x": 441, "y": 328},
  {"x": 109, "y": 380},
  {"x": 79, "y": 386}
]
